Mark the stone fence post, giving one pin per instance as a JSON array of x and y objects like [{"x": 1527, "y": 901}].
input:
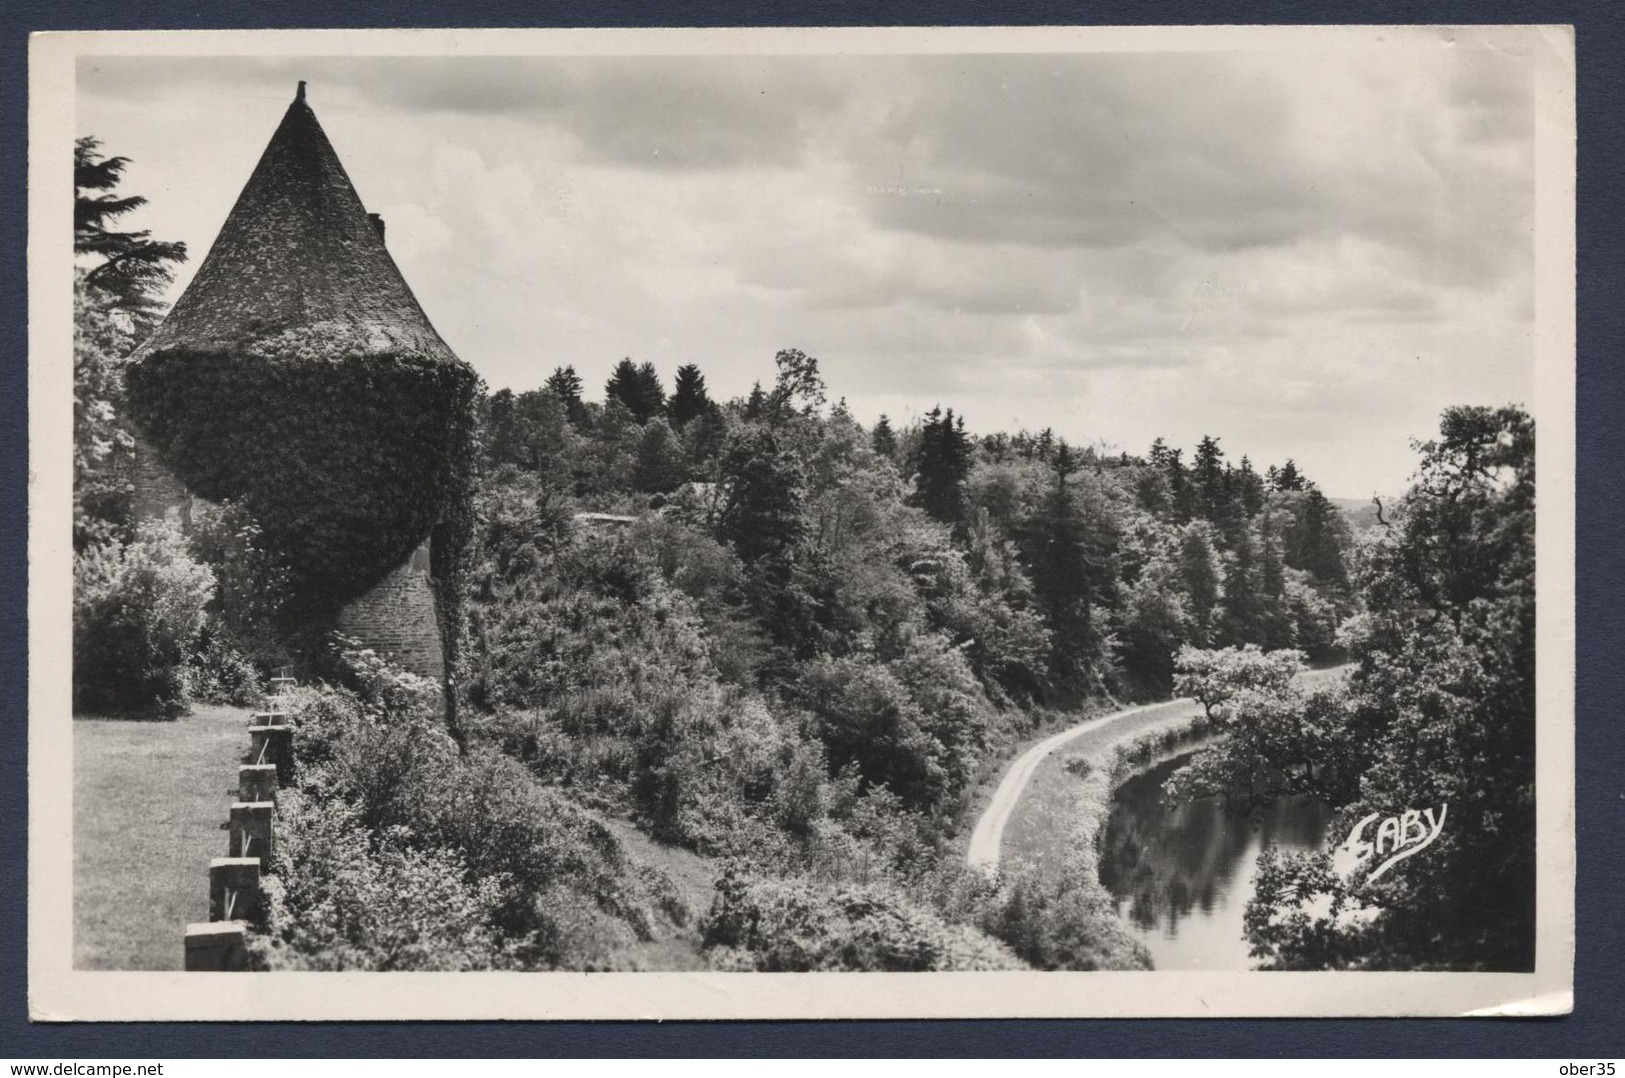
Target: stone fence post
[{"x": 251, "y": 831}]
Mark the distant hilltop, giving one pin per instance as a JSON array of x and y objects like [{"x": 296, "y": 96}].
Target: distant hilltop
[{"x": 1361, "y": 512}]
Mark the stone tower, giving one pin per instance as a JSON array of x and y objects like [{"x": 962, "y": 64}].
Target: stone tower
[{"x": 298, "y": 313}]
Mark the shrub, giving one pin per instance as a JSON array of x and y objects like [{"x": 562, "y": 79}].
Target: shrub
[
  {"x": 1062, "y": 924},
  {"x": 221, "y": 674},
  {"x": 867, "y": 718},
  {"x": 396, "y": 692},
  {"x": 599, "y": 670},
  {"x": 349, "y": 900},
  {"x": 138, "y": 611},
  {"x": 917, "y": 724},
  {"x": 796, "y": 926},
  {"x": 551, "y": 886}
]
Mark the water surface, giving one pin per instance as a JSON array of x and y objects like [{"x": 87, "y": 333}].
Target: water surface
[{"x": 1182, "y": 873}]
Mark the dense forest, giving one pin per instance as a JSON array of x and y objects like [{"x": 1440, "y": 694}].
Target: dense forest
[{"x": 791, "y": 644}]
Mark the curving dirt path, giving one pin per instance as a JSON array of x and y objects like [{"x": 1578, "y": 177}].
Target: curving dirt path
[{"x": 988, "y": 837}]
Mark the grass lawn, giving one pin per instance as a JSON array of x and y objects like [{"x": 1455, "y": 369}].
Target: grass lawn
[{"x": 149, "y": 802}]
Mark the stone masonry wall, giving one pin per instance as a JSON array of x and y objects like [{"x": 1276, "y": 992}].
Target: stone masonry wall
[
  {"x": 397, "y": 617},
  {"x": 157, "y": 494}
]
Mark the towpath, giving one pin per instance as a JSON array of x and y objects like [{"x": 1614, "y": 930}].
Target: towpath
[{"x": 1086, "y": 737}]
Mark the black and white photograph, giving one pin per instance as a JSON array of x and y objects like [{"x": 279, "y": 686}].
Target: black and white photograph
[{"x": 1049, "y": 512}]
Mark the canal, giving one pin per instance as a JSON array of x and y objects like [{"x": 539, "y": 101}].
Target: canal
[{"x": 1181, "y": 874}]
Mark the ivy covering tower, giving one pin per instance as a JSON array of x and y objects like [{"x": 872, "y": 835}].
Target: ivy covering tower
[{"x": 298, "y": 376}]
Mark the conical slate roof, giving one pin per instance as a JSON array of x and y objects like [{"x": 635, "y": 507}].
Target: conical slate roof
[{"x": 299, "y": 253}]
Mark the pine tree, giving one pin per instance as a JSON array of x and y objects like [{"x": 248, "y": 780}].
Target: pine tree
[
  {"x": 565, "y": 384},
  {"x": 651, "y": 394},
  {"x": 689, "y": 398},
  {"x": 1289, "y": 478},
  {"x": 884, "y": 439},
  {"x": 1207, "y": 472},
  {"x": 638, "y": 388},
  {"x": 1251, "y": 489},
  {"x": 1199, "y": 565},
  {"x": 941, "y": 465},
  {"x": 765, "y": 487},
  {"x": 1242, "y": 610},
  {"x": 1057, "y": 549},
  {"x": 756, "y": 403}
]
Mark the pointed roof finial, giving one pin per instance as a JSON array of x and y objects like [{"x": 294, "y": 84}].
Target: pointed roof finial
[{"x": 300, "y": 96}]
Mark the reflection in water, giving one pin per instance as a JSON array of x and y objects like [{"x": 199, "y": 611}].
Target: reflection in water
[{"x": 1182, "y": 873}]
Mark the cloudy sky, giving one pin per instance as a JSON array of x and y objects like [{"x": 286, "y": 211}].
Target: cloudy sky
[{"x": 1306, "y": 254}]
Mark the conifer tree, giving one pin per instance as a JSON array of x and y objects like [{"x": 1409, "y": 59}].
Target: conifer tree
[
  {"x": 1199, "y": 565},
  {"x": 651, "y": 394},
  {"x": 689, "y": 398},
  {"x": 501, "y": 438},
  {"x": 1180, "y": 490},
  {"x": 1057, "y": 549},
  {"x": 1318, "y": 541},
  {"x": 623, "y": 385},
  {"x": 1207, "y": 472},
  {"x": 133, "y": 267},
  {"x": 756, "y": 403},
  {"x": 765, "y": 487},
  {"x": 1242, "y": 612},
  {"x": 1289, "y": 478},
  {"x": 565, "y": 384},
  {"x": 1275, "y": 629},
  {"x": 941, "y": 465},
  {"x": 1251, "y": 488},
  {"x": 638, "y": 388},
  {"x": 884, "y": 439}
]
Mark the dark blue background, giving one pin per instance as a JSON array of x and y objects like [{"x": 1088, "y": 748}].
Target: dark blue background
[{"x": 1595, "y": 1027}]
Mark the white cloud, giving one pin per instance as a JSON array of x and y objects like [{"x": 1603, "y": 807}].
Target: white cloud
[{"x": 1307, "y": 255}]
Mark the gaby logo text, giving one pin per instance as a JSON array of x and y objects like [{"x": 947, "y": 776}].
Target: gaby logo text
[{"x": 1397, "y": 838}]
